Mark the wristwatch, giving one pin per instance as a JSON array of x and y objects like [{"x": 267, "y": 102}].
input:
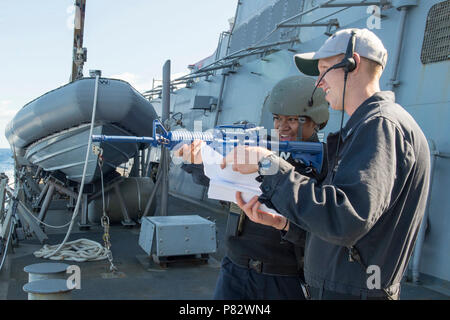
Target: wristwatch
[{"x": 265, "y": 165}]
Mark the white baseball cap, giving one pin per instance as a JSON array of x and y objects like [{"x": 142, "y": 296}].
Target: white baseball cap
[{"x": 367, "y": 45}]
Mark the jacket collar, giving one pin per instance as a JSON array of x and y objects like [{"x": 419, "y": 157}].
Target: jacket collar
[{"x": 364, "y": 109}]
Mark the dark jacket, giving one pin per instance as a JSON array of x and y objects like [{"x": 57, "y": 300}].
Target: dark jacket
[
  {"x": 259, "y": 242},
  {"x": 373, "y": 200}
]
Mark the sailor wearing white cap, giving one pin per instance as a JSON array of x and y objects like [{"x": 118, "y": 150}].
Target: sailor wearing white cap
[
  {"x": 366, "y": 214},
  {"x": 367, "y": 45}
]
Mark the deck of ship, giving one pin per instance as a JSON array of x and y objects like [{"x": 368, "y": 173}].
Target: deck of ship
[{"x": 138, "y": 278}]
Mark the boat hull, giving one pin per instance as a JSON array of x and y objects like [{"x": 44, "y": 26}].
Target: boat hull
[
  {"x": 66, "y": 152},
  {"x": 52, "y": 130}
]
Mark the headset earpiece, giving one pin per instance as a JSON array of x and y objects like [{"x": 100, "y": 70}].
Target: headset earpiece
[
  {"x": 348, "y": 61},
  {"x": 349, "y": 64}
]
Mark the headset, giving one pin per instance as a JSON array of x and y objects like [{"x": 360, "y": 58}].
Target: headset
[{"x": 348, "y": 64}]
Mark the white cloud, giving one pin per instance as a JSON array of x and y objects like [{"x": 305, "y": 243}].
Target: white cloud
[
  {"x": 178, "y": 75},
  {"x": 6, "y": 110},
  {"x": 141, "y": 83},
  {"x": 138, "y": 82}
]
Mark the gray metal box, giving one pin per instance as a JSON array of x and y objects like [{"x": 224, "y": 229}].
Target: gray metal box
[
  {"x": 177, "y": 235},
  {"x": 146, "y": 235}
]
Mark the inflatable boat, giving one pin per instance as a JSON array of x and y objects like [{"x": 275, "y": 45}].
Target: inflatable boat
[{"x": 52, "y": 131}]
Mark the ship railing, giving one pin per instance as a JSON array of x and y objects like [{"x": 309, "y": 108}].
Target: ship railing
[{"x": 231, "y": 60}]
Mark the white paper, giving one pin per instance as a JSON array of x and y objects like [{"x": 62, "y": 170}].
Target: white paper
[{"x": 225, "y": 182}]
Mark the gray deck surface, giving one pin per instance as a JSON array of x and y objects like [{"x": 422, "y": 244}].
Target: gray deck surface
[{"x": 139, "y": 278}]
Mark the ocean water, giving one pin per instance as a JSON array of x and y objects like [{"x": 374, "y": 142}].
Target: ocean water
[{"x": 7, "y": 162}]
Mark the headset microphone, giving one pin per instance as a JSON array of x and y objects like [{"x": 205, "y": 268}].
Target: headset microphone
[
  {"x": 348, "y": 64},
  {"x": 310, "y": 101}
]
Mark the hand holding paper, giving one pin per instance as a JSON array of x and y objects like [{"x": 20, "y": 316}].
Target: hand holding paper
[
  {"x": 191, "y": 153},
  {"x": 244, "y": 159},
  {"x": 251, "y": 209},
  {"x": 224, "y": 183}
]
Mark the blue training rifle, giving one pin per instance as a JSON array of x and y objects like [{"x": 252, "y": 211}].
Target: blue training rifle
[{"x": 225, "y": 137}]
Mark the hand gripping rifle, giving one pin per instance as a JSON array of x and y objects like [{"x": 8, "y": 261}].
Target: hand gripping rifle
[{"x": 223, "y": 138}]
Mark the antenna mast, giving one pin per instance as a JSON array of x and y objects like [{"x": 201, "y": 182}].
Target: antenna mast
[{"x": 79, "y": 53}]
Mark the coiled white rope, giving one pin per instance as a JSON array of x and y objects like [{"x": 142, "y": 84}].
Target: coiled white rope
[{"x": 80, "y": 250}]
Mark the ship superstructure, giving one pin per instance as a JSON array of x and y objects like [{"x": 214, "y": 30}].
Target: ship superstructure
[{"x": 230, "y": 86}]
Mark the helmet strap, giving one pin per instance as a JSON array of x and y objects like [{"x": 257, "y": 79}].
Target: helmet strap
[
  {"x": 301, "y": 122},
  {"x": 313, "y": 138}
]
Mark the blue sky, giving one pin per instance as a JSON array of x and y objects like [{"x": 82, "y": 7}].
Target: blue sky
[{"x": 130, "y": 40}]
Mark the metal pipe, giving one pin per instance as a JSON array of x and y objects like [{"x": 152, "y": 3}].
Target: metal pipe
[
  {"x": 208, "y": 71},
  {"x": 166, "y": 92},
  {"x": 417, "y": 254},
  {"x": 46, "y": 204},
  {"x": 3, "y": 184},
  {"x": 41, "y": 195},
  {"x": 272, "y": 44},
  {"x": 150, "y": 199},
  {"x": 355, "y": 4},
  {"x": 164, "y": 152},
  {"x": 62, "y": 189},
  {"x": 79, "y": 56},
  {"x": 233, "y": 56},
  {"x": 123, "y": 207},
  {"x": 110, "y": 185},
  {"x": 219, "y": 45},
  {"x": 299, "y": 25},
  {"x": 25, "y": 215},
  {"x": 38, "y": 172},
  {"x": 84, "y": 224},
  {"x": 205, "y": 71},
  {"x": 219, "y": 100},
  {"x": 147, "y": 164},
  {"x": 5, "y": 250},
  {"x": 249, "y": 54},
  {"x": 234, "y": 25},
  {"x": 134, "y": 172},
  {"x": 223, "y": 66},
  {"x": 141, "y": 162},
  {"x": 393, "y": 82},
  {"x": 182, "y": 80}
]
